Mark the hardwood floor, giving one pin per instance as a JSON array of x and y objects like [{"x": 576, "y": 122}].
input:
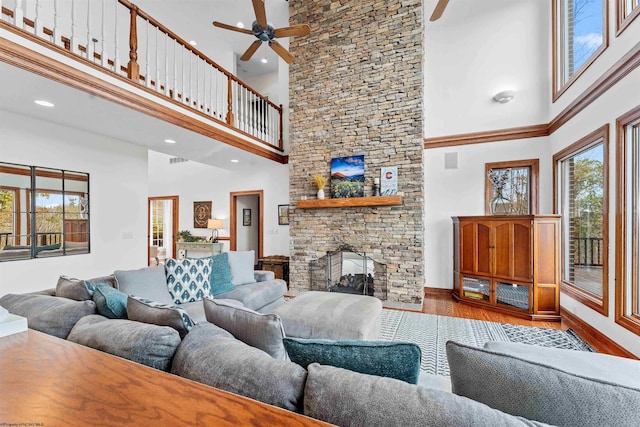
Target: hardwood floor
[{"x": 439, "y": 301}]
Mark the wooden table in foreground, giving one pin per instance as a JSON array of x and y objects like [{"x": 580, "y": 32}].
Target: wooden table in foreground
[{"x": 47, "y": 381}]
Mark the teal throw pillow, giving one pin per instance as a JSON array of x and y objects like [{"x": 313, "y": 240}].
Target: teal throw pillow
[
  {"x": 110, "y": 302},
  {"x": 397, "y": 360},
  {"x": 220, "y": 278}
]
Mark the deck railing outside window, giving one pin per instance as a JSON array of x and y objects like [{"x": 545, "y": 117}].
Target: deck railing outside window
[{"x": 123, "y": 39}]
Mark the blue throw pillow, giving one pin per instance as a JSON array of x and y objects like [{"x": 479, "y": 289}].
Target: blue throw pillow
[
  {"x": 110, "y": 302},
  {"x": 397, "y": 360},
  {"x": 220, "y": 279}
]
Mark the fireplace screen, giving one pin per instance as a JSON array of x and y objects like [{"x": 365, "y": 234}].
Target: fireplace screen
[{"x": 351, "y": 272}]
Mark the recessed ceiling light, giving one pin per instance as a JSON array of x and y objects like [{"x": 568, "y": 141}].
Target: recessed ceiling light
[
  {"x": 44, "y": 103},
  {"x": 264, "y": 60},
  {"x": 193, "y": 43},
  {"x": 235, "y": 161},
  {"x": 240, "y": 25},
  {"x": 170, "y": 141}
]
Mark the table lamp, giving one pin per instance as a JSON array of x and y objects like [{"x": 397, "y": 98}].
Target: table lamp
[{"x": 214, "y": 225}]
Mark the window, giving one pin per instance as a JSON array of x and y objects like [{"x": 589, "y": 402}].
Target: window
[
  {"x": 627, "y": 11},
  {"x": 628, "y": 227},
  {"x": 43, "y": 212},
  {"x": 579, "y": 37},
  {"x": 580, "y": 178},
  {"x": 511, "y": 188}
]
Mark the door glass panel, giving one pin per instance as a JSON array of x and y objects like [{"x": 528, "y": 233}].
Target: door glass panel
[
  {"x": 513, "y": 295},
  {"x": 476, "y": 288}
]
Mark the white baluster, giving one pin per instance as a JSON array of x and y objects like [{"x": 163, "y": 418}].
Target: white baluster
[
  {"x": 74, "y": 28},
  {"x": 175, "y": 70},
  {"x": 37, "y": 23},
  {"x": 57, "y": 33},
  {"x": 147, "y": 74},
  {"x": 158, "y": 85},
  {"x": 90, "y": 43},
  {"x": 116, "y": 50},
  {"x": 18, "y": 15},
  {"x": 184, "y": 84},
  {"x": 103, "y": 52},
  {"x": 190, "y": 79},
  {"x": 197, "y": 83},
  {"x": 166, "y": 64}
]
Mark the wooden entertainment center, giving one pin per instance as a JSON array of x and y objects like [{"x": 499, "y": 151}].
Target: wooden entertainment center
[{"x": 509, "y": 264}]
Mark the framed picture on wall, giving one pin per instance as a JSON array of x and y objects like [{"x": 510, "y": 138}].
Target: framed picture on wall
[
  {"x": 283, "y": 214},
  {"x": 201, "y": 214},
  {"x": 246, "y": 217}
]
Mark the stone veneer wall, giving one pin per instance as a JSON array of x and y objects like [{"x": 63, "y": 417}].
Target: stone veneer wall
[{"x": 357, "y": 88}]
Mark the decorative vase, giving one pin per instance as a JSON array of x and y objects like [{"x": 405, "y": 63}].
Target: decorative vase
[
  {"x": 500, "y": 205},
  {"x": 320, "y": 194}
]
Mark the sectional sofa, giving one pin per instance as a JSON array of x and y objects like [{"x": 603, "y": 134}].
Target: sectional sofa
[{"x": 232, "y": 346}]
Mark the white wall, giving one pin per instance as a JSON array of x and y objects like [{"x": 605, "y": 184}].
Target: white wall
[
  {"x": 457, "y": 192},
  {"x": 267, "y": 85},
  {"x": 478, "y": 49},
  {"x": 118, "y": 192},
  {"x": 194, "y": 181}
]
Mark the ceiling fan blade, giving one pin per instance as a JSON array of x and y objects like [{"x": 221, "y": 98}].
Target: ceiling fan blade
[
  {"x": 231, "y": 27},
  {"x": 296, "y": 30},
  {"x": 439, "y": 10},
  {"x": 249, "y": 52},
  {"x": 282, "y": 52},
  {"x": 261, "y": 15}
]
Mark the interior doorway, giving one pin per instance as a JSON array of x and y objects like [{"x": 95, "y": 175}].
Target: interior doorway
[
  {"x": 246, "y": 222},
  {"x": 162, "y": 228}
]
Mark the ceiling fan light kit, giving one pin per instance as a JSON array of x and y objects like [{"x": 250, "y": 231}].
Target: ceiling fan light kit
[{"x": 265, "y": 32}]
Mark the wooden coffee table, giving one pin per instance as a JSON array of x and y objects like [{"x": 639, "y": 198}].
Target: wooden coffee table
[{"x": 48, "y": 381}]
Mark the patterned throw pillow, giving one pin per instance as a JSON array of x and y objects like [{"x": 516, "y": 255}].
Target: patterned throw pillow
[
  {"x": 188, "y": 279},
  {"x": 155, "y": 313}
]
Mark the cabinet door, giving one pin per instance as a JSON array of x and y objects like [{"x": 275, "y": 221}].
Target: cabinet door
[
  {"x": 475, "y": 255},
  {"x": 512, "y": 242}
]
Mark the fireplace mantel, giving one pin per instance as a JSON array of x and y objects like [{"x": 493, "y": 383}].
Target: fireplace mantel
[{"x": 350, "y": 202}]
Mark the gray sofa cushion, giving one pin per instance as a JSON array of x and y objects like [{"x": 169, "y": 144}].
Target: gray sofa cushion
[
  {"x": 258, "y": 294},
  {"x": 347, "y": 398},
  {"x": 211, "y": 356},
  {"x": 51, "y": 315},
  {"x": 79, "y": 289},
  {"x": 149, "y": 345},
  {"x": 241, "y": 265},
  {"x": 263, "y": 331},
  {"x": 146, "y": 311},
  {"x": 195, "y": 310},
  {"x": 263, "y": 275},
  {"x": 563, "y": 387},
  {"x": 149, "y": 283}
]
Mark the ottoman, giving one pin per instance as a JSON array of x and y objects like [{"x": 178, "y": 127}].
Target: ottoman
[{"x": 331, "y": 315}]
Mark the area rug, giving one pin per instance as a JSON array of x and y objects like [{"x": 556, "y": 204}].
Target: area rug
[{"x": 431, "y": 333}]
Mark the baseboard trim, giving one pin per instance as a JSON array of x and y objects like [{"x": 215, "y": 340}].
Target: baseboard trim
[{"x": 587, "y": 331}]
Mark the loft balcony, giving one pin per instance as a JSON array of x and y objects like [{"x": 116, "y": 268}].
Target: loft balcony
[{"x": 116, "y": 51}]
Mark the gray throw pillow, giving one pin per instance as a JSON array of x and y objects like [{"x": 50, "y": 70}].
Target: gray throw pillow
[
  {"x": 81, "y": 290},
  {"x": 241, "y": 264},
  {"x": 399, "y": 360},
  {"x": 263, "y": 331},
  {"x": 149, "y": 283},
  {"x": 556, "y": 386},
  {"x": 146, "y": 311},
  {"x": 211, "y": 356},
  {"x": 139, "y": 342},
  {"x": 347, "y": 398},
  {"x": 110, "y": 302}
]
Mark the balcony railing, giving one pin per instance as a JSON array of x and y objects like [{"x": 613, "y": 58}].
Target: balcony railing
[
  {"x": 588, "y": 251},
  {"x": 124, "y": 40}
]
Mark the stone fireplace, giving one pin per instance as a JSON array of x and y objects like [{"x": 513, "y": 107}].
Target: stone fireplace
[{"x": 356, "y": 88}]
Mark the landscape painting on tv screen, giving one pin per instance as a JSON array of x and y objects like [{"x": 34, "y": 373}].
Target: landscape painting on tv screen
[{"x": 347, "y": 177}]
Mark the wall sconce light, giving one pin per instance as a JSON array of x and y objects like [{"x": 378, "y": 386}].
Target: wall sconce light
[
  {"x": 214, "y": 225},
  {"x": 504, "y": 96}
]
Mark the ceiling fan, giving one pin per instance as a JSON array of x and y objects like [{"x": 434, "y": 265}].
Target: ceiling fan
[
  {"x": 439, "y": 10},
  {"x": 264, "y": 32}
]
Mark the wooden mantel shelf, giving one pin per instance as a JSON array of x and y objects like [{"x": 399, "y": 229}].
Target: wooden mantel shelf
[{"x": 350, "y": 202}]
